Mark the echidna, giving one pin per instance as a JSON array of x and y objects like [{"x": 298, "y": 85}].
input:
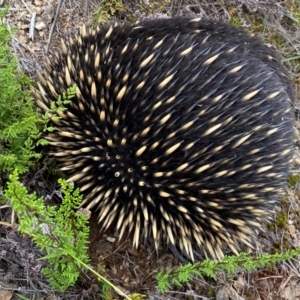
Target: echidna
[{"x": 180, "y": 130}]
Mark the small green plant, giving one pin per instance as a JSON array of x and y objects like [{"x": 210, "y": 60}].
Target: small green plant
[
  {"x": 296, "y": 57},
  {"x": 108, "y": 9},
  {"x": 106, "y": 291},
  {"x": 234, "y": 18},
  {"x": 19, "y": 123},
  {"x": 277, "y": 39},
  {"x": 152, "y": 7},
  {"x": 22, "y": 297},
  {"x": 57, "y": 108},
  {"x": 209, "y": 268},
  {"x": 281, "y": 220},
  {"x": 62, "y": 233},
  {"x": 294, "y": 9}
]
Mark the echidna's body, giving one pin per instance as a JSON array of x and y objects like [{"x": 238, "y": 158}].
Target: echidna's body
[{"x": 180, "y": 130}]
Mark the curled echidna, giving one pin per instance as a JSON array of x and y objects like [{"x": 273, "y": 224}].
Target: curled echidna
[{"x": 181, "y": 129}]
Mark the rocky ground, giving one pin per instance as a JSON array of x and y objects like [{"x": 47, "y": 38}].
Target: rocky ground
[{"x": 40, "y": 26}]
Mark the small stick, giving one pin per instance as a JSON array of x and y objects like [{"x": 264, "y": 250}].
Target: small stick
[
  {"x": 31, "y": 29},
  {"x": 54, "y": 23}
]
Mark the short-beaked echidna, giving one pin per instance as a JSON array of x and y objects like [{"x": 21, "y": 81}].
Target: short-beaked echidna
[{"x": 180, "y": 130}]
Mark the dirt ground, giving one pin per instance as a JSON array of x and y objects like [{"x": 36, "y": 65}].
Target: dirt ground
[{"x": 134, "y": 271}]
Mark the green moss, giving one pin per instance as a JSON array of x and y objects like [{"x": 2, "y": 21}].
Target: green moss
[
  {"x": 293, "y": 180},
  {"x": 107, "y": 10},
  {"x": 283, "y": 246},
  {"x": 211, "y": 292},
  {"x": 235, "y": 21},
  {"x": 256, "y": 24},
  {"x": 277, "y": 39},
  {"x": 281, "y": 220},
  {"x": 285, "y": 201},
  {"x": 153, "y": 7},
  {"x": 271, "y": 226},
  {"x": 294, "y": 9}
]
